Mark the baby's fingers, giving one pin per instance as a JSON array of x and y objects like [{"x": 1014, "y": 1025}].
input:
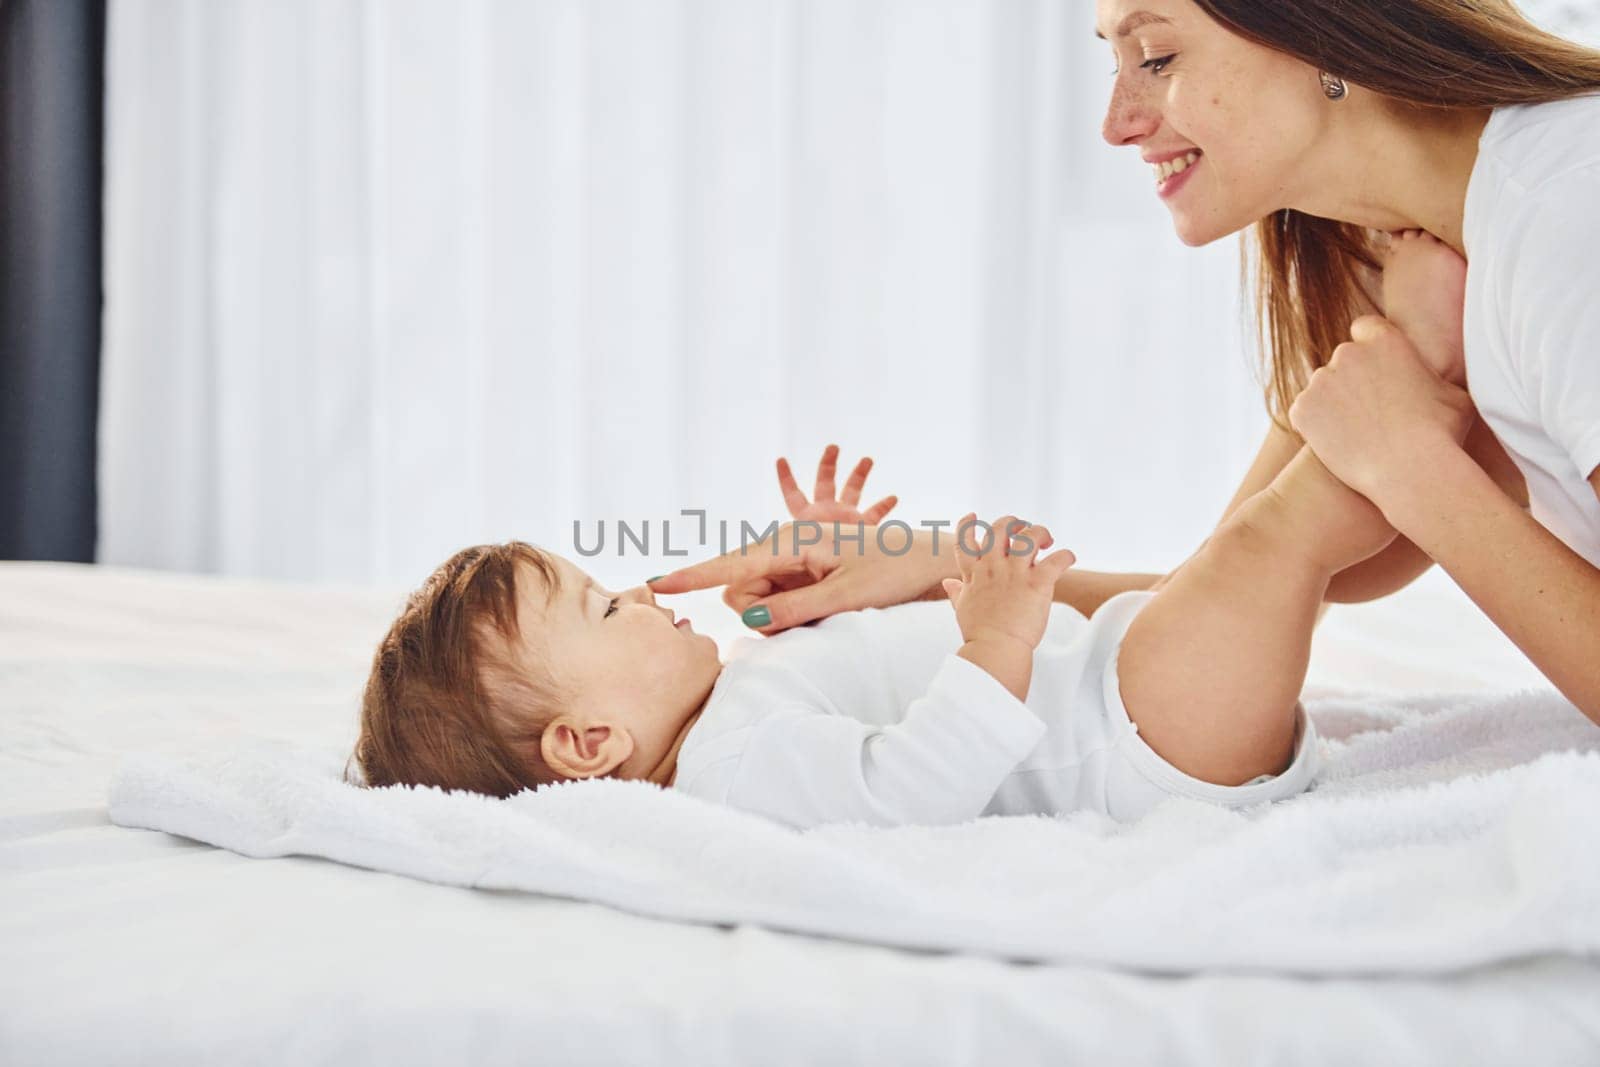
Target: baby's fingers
[
  {"x": 874, "y": 515},
  {"x": 1031, "y": 539},
  {"x": 958, "y": 546},
  {"x": 1002, "y": 532},
  {"x": 793, "y": 498},
  {"x": 1056, "y": 563}
]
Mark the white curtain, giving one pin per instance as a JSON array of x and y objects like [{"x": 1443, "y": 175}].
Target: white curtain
[
  {"x": 1577, "y": 20},
  {"x": 388, "y": 277}
]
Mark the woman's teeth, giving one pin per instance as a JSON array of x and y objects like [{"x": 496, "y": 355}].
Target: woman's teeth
[{"x": 1163, "y": 171}]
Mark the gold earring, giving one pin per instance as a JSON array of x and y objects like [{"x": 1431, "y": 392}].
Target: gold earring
[{"x": 1333, "y": 88}]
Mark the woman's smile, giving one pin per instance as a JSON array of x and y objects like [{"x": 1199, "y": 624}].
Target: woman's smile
[
  {"x": 1165, "y": 166},
  {"x": 1175, "y": 175}
]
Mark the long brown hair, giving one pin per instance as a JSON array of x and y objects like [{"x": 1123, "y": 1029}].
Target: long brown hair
[
  {"x": 443, "y": 705},
  {"x": 1311, "y": 274}
]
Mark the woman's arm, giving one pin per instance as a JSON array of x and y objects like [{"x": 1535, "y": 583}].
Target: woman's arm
[
  {"x": 1085, "y": 591},
  {"x": 1541, "y": 594},
  {"x": 796, "y": 580},
  {"x": 1388, "y": 572},
  {"x": 1384, "y": 423}
]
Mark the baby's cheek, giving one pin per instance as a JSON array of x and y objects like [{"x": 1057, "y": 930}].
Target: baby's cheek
[{"x": 671, "y": 655}]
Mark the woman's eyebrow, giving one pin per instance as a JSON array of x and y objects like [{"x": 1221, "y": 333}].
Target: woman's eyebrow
[{"x": 1133, "y": 22}]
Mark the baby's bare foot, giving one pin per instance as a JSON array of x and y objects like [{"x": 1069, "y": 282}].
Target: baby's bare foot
[{"x": 1424, "y": 292}]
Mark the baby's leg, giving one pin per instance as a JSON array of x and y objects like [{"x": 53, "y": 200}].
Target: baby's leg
[
  {"x": 1424, "y": 292},
  {"x": 1211, "y": 668}
]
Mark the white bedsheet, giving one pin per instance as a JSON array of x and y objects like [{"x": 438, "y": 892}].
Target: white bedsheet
[
  {"x": 128, "y": 947},
  {"x": 1438, "y": 838}
]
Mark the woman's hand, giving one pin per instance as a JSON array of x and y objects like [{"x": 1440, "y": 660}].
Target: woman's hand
[
  {"x": 1376, "y": 415},
  {"x": 823, "y": 507},
  {"x": 797, "y": 582}
]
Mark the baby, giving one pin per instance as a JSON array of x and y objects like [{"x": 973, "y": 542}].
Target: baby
[{"x": 511, "y": 668}]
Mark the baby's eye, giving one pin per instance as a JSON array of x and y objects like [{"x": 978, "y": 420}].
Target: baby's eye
[
  {"x": 610, "y": 607},
  {"x": 1159, "y": 64}
]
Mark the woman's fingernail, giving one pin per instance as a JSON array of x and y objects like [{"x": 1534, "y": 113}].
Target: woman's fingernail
[
  {"x": 756, "y": 617},
  {"x": 657, "y": 578}
]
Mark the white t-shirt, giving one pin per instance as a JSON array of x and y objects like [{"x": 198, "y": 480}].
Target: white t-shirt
[
  {"x": 1532, "y": 319},
  {"x": 870, "y": 716}
]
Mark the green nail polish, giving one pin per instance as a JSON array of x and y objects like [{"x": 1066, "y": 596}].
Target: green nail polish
[
  {"x": 756, "y": 616},
  {"x": 657, "y": 578}
]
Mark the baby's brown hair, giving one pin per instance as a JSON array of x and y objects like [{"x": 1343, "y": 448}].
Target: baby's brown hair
[{"x": 444, "y": 704}]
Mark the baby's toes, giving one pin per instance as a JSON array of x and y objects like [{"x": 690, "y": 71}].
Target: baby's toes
[{"x": 1424, "y": 255}]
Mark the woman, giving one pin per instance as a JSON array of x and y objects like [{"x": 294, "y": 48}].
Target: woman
[{"x": 1328, "y": 124}]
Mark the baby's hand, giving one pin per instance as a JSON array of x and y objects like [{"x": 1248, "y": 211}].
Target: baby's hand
[
  {"x": 1424, "y": 293},
  {"x": 1003, "y": 594},
  {"x": 823, "y": 508}
]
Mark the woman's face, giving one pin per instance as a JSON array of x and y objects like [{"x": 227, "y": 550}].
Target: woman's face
[{"x": 1248, "y": 117}]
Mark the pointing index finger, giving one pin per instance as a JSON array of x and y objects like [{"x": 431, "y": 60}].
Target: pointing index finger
[{"x": 726, "y": 569}]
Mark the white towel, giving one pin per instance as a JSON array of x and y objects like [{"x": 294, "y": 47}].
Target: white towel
[{"x": 1444, "y": 833}]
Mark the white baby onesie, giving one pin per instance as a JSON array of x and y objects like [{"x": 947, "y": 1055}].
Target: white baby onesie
[{"x": 870, "y": 716}]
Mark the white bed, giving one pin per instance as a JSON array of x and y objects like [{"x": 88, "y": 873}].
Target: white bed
[{"x": 125, "y": 946}]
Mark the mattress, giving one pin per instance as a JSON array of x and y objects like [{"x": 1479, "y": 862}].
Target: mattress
[{"x": 123, "y": 946}]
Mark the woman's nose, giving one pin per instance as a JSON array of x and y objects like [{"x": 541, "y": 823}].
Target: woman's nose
[{"x": 1129, "y": 119}]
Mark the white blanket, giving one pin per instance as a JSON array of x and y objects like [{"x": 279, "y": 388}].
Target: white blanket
[{"x": 1444, "y": 833}]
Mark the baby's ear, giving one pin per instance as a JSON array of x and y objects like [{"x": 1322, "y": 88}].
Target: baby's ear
[{"x": 584, "y": 750}]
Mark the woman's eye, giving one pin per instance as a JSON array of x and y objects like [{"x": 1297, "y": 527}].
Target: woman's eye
[
  {"x": 1159, "y": 64},
  {"x": 610, "y": 607}
]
